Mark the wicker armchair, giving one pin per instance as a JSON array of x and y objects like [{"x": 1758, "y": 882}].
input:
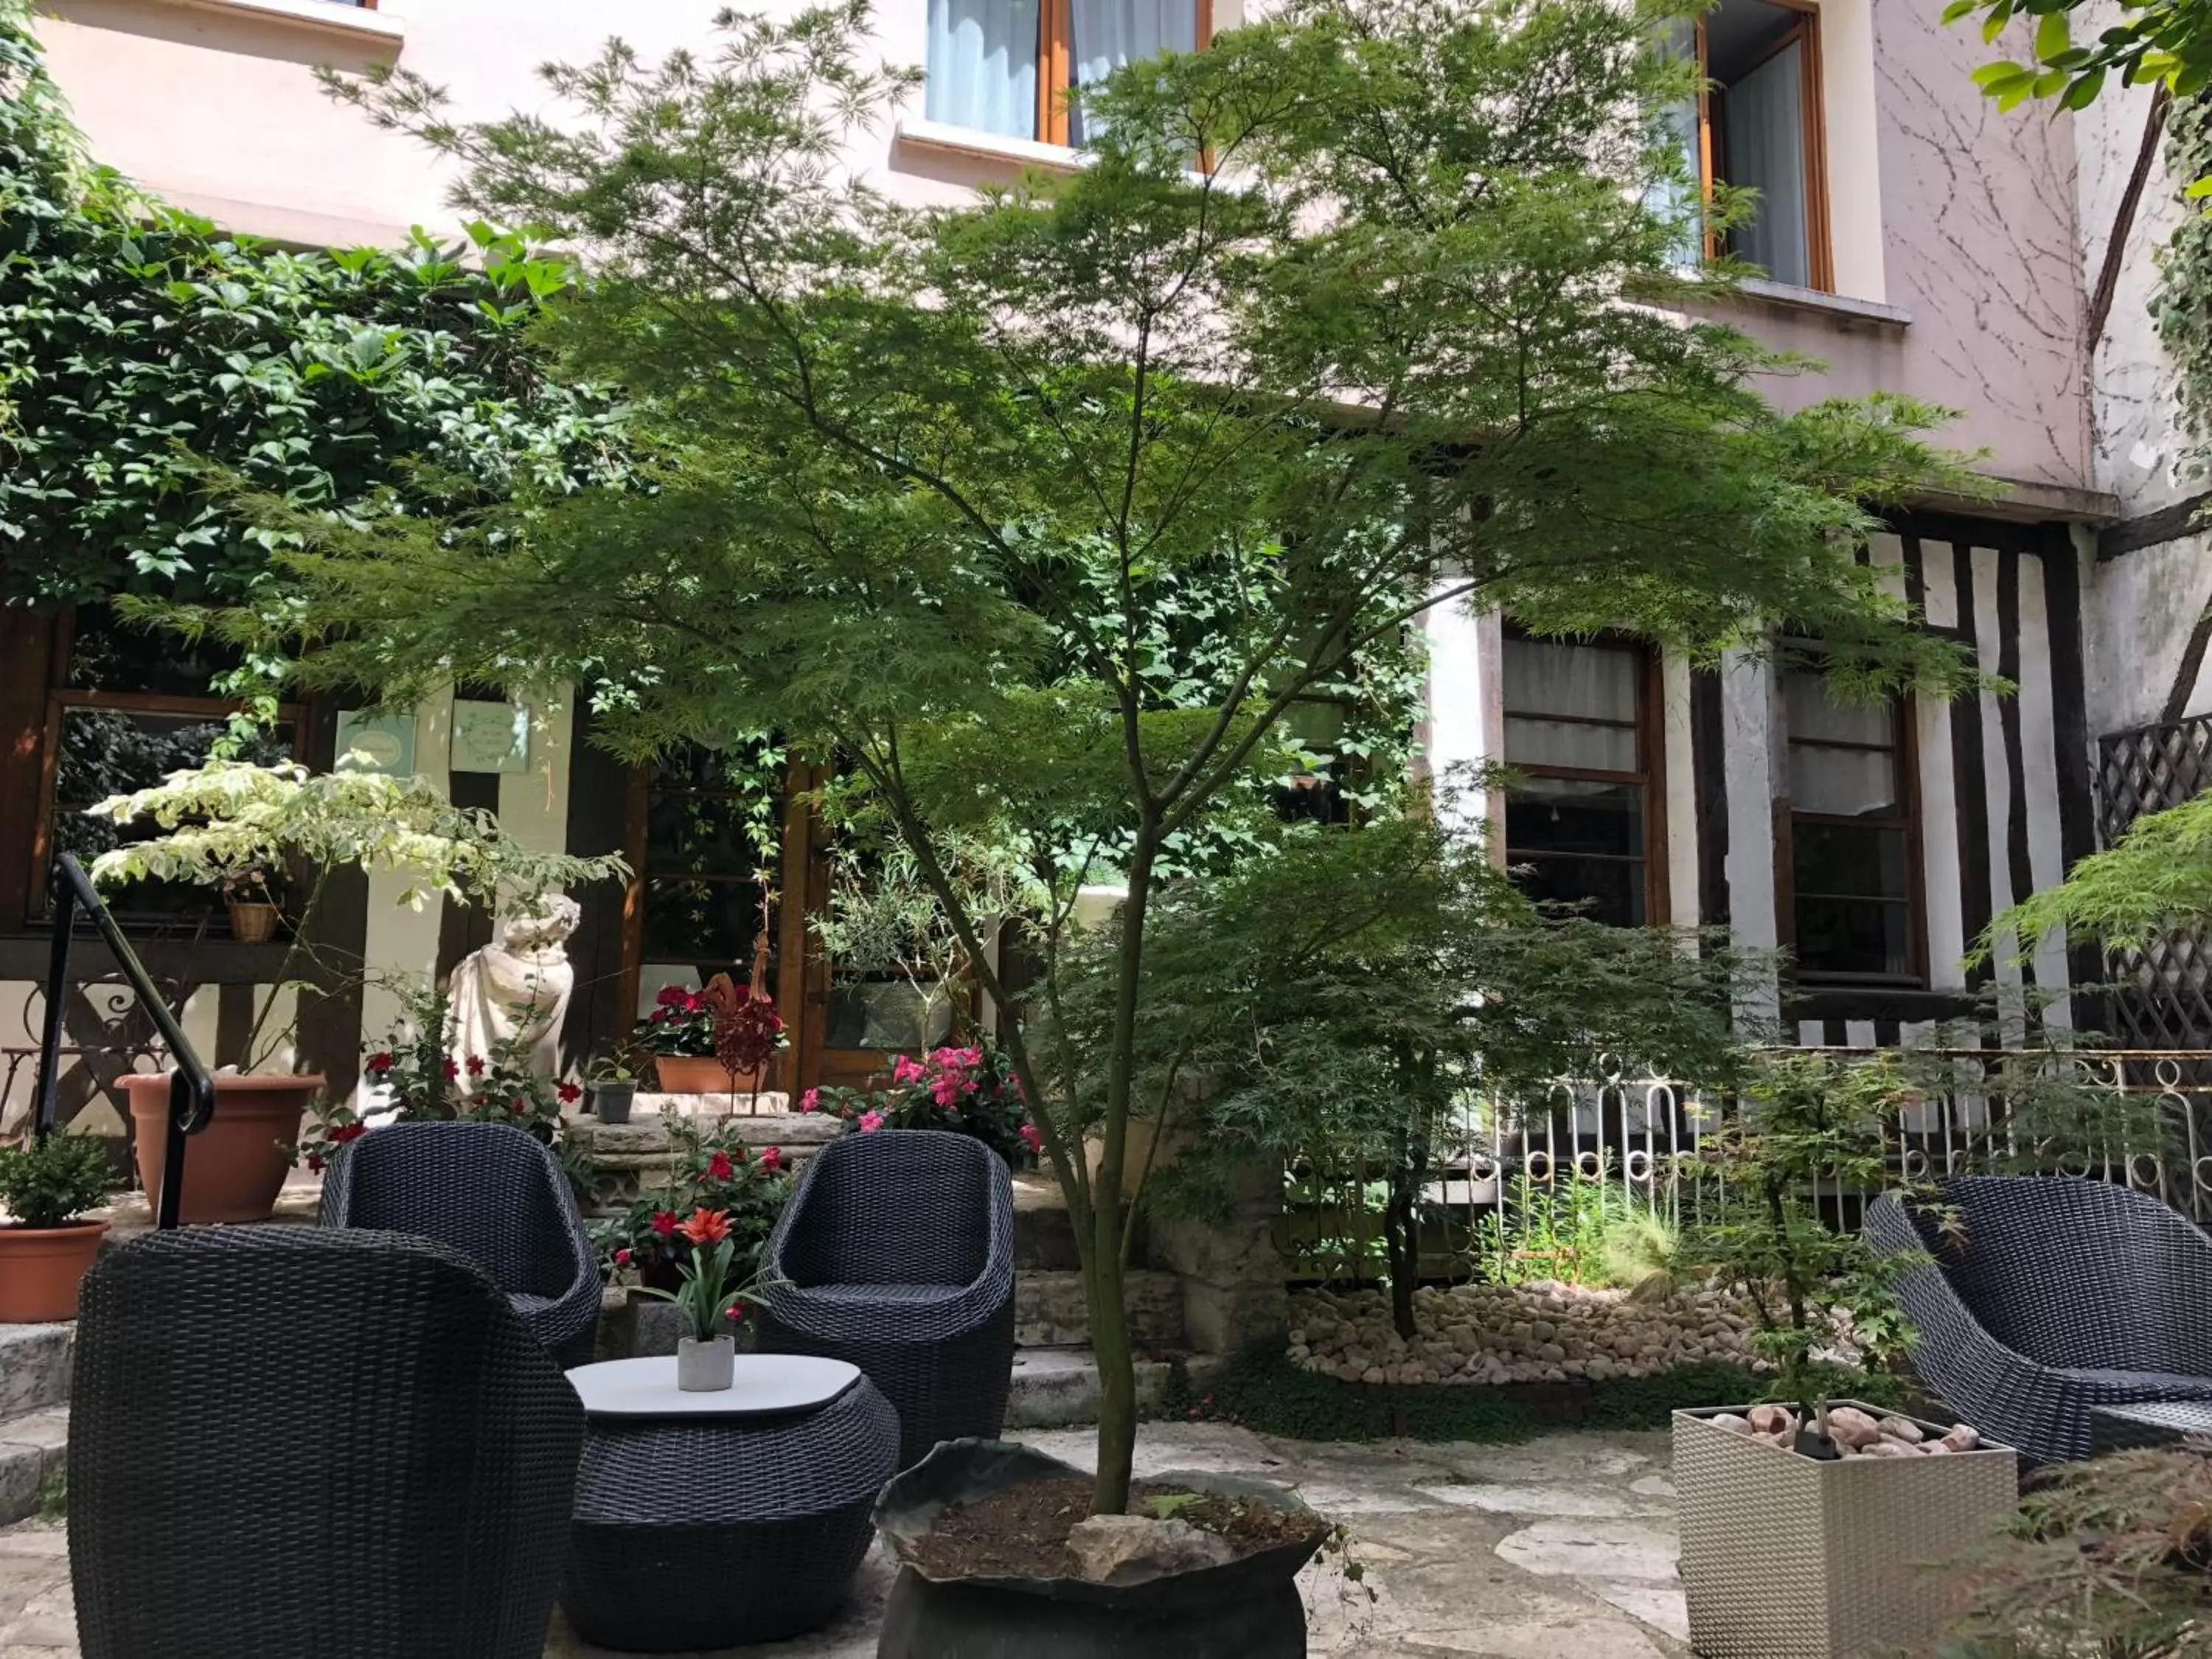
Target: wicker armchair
[
  {"x": 492, "y": 1193},
  {"x": 288, "y": 1442},
  {"x": 896, "y": 1253},
  {"x": 2061, "y": 1294}
]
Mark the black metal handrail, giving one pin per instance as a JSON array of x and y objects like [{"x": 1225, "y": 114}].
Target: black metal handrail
[{"x": 192, "y": 1086}]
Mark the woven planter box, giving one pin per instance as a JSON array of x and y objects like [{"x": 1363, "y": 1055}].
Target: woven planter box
[{"x": 1787, "y": 1558}]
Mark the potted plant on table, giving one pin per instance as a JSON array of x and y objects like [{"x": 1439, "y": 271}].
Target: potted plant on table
[
  {"x": 46, "y": 1249},
  {"x": 706, "y": 1360},
  {"x": 226, "y": 821},
  {"x": 1808, "y": 1524}
]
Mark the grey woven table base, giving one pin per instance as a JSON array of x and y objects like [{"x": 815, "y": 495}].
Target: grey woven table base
[
  {"x": 720, "y": 1531},
  {"x": 2156, "y": 1423}
]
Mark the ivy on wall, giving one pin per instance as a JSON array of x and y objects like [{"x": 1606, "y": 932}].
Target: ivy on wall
[
  {"x": 140, "y": 348},
  {"x": 2181, "y": 304}
]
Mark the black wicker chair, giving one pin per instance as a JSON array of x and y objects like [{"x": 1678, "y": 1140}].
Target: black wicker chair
[
  {"x": 493, "y": 1193},
  {"x": 287, "y": 1441},
  {"x": 896, "y": 1253},
  {"x": 2059, "y": 1295}
]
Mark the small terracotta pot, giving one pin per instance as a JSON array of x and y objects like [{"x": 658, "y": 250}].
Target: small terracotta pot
[
  {"x": 253, "y": 923},
  {"x": 700, "y": 1074},
  {"x": 40, "y": 1268},
  {"x": 234, "y": 1167}
]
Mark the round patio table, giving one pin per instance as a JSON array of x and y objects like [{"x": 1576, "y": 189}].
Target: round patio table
[{"x": 715, "y": 1520}]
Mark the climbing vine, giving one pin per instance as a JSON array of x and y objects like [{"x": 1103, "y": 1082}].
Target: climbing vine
[
  {"x": 143, "y": 350},
  {"x": 2181, "y": 305}
]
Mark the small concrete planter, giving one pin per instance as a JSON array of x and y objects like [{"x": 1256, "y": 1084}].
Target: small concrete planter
[
  {"x": 611, "y": 1102},
  {"x": 706, "y": 1367},
  {"x": 1785, "y": 1557}
]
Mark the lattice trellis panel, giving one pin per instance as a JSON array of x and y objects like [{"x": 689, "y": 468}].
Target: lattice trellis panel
[{"x": 2165, "y": 999}]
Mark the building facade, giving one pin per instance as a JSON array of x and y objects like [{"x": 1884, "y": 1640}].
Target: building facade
[{"x": 1917, "y": 241}]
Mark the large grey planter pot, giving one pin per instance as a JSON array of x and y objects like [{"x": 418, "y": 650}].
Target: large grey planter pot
[
  {"x": 1787, "y": 1558},
  {"x": 1247, "y": 1609}
]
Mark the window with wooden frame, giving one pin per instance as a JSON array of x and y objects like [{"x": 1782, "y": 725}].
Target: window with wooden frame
[
  {"x": 1853, "y": 852},
  {"x": 124, "y": 709},
  {"x": 1583, "y": 819},
  {"x": 1759, "y": 126},
  {"x": 1006, "y": 66}
]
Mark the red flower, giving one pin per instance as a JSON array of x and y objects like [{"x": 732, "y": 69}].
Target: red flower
[
  {"x": 452, "y": 1071},
  {"x": 569, "y": 1093},
  {"x": 665, "y": 1222},
  {"x": 719, "y": 1167},
  {"x": 346, "y": 1132},
  {"x": 707, "y": 1227},
  {"x": 1032, "y": 1138},
  {"x": 379, "y": 1063},
  {"x": 737, "y": 1310},
  {"x": 518, "y": 1106},
  {"x": 771, "y": 1158},
  {"x": 476, "y": 1065},
  {"x": 671, "y": 996},
  {"x": 315, "y": 1163},
  {"x": 621, "y": 1258}
]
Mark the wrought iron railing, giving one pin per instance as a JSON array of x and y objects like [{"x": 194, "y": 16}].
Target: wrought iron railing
[
  {"x": 191, "y": 1088},
  {"x": 1525, "y": 1189}
]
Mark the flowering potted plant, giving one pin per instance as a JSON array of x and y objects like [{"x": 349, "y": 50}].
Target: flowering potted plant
[
  {"x": 413, "y": 1077},
  {"x": 706, "y": 1361},
  {"x": 712, "y": 1042},
  {"x": 972, "y": 1091},
  {"x": 715, "y": 1170},
  {"x": 253, "y": 894},
  {"x": 45, "y": 1248}
]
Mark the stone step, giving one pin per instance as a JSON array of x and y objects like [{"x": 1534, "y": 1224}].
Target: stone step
[
  {"x": 1050, "y": 1311},
  {"x": 33, "y": 1447},
  {"x": 1044, "y": 1237},
  {"x": 35, "y": 1367},
  {"x": 1057, "y": 1388}
]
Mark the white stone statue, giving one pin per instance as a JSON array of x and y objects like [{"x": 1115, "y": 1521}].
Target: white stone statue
[{"x": 516, "y": 988}]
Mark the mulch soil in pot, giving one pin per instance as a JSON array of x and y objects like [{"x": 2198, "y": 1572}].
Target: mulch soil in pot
[{"x": 1021, "y": 1532}]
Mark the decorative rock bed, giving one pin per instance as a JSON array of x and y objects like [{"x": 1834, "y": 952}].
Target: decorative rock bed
[
  {"x": 1856, "y": 1433},
  {"x": 1544, "y": 1332}
]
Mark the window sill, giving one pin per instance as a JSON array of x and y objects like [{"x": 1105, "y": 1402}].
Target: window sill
[
  {"x": 1757, "y": 293},
  {"x": 941, "y": 138},
  {"x": 319, "y": 16}
]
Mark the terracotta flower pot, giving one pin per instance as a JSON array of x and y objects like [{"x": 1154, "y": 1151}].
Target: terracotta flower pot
[
  {"x": 700, "y": 1074},
  {"x": 40, "y": 1268},
  {"x": 234, "y": 1167}
]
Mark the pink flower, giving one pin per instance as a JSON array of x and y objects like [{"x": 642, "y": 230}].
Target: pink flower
[
  {"x": 906, "y": 1071},
  {"x": 1033, "y": 1138},
  {"x": 719, "y": 1167},
  {"x": 946, "y": 1056},
  {"x": 621, "y": 1258},
  {"x": 870, "y": 1122},
  {"x": 971, "y": 1056},
  {"x": 968, "y": 1085},
  {"x": 737, "y": 1310},
  {"x": 811, "y": 1100},
  {"x": 946, "y": 1090},
  {"x": 771, "y": 1158}
]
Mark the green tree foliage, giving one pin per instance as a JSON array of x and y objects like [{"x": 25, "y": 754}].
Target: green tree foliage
[
  {"x": 2140, "y": 41},
  {"x": 1052, "y": 516},
  {"x": 138, "y": 346},
  {"x": 1349, "y": 1001},
  {"x": 2155, "y": 879}
]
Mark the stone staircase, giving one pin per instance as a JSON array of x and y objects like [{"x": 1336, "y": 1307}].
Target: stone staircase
[{"x": 34, "y": 1385}]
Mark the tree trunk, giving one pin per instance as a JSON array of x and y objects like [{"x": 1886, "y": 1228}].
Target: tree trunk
[
  {"x": 1117, "y": 1383},
  {"x": 1401, "y": 1243}
]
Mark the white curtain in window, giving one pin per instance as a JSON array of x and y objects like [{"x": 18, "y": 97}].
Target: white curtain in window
[
  {"x": 1111, "y": 33},
  {"x": 1764, "y": 120},
  {"x": 983, "y": 66}
]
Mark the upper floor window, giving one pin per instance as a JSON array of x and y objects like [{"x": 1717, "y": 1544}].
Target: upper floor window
[
  {"x": 1580, "y": 821},
  {"x": 1760, "y": 128},
  {"x": 1006, "y": 66},
  {"x": 1854, "y": 898}
]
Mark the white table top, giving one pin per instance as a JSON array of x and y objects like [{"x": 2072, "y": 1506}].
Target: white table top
[{"x": 767, "y": 1385}]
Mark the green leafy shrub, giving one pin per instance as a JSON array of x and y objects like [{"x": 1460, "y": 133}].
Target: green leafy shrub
[{"x": 53, "y": 1180}]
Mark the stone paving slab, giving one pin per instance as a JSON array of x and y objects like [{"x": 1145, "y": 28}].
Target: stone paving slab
[{"x": 1560, "y": 1549}]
